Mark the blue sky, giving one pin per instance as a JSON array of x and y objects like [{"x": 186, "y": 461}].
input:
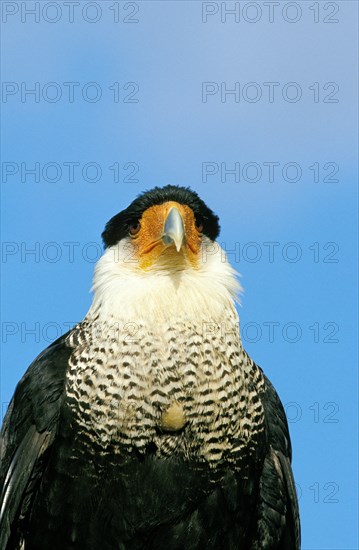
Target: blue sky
[{"x": 259, "y": 116}]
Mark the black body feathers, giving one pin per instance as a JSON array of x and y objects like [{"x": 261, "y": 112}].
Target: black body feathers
[{"x": 58, "y": 494}]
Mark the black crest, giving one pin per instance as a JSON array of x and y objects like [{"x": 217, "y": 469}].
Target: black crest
[{"x": 118, "y": 226}]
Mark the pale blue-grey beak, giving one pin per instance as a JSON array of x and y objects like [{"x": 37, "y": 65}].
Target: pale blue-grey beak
[{"x": 173, "y": 231}]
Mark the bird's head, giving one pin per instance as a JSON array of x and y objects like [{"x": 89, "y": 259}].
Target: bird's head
[
  {"x": 161, "y": 255},
  {"x": 163, "y": 228}
]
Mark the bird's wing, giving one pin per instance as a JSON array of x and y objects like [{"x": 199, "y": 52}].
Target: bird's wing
[
  {"x": 28, "y": 431},
  {"x": 278, "y": 506}
]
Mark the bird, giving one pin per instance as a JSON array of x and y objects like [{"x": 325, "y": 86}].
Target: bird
[{"x": 147, "y": 425}]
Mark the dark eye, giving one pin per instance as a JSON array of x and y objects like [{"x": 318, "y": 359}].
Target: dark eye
[
  {"x": 134, "y": 228},
  {"x": 199, "y": 226}
]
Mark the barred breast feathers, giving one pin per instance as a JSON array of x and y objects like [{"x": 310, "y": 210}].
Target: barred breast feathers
[{"x": 182, "y": 367}]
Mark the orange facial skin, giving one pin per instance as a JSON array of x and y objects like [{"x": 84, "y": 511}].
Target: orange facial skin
[{"x": 150, "y": 250}]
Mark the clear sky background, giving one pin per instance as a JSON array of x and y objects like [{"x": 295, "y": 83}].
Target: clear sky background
[{"x": 128, "y": 95}]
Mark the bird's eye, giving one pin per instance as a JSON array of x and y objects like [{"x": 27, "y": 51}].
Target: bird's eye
[
  {"x": 199, "y": 226},
  {"x": 134, "y": 228}
]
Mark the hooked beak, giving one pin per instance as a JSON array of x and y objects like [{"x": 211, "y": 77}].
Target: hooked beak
[{"x": 174, "y": 229}]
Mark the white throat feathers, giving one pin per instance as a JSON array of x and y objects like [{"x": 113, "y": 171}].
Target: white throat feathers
[{"x": 123, "y": 290}]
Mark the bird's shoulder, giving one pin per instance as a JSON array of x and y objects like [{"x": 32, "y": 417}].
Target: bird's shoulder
[
  {"x": 278, "y": 503},
  {"x": 29, "y": 428},
  {"x": 275, "y": 419}
]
